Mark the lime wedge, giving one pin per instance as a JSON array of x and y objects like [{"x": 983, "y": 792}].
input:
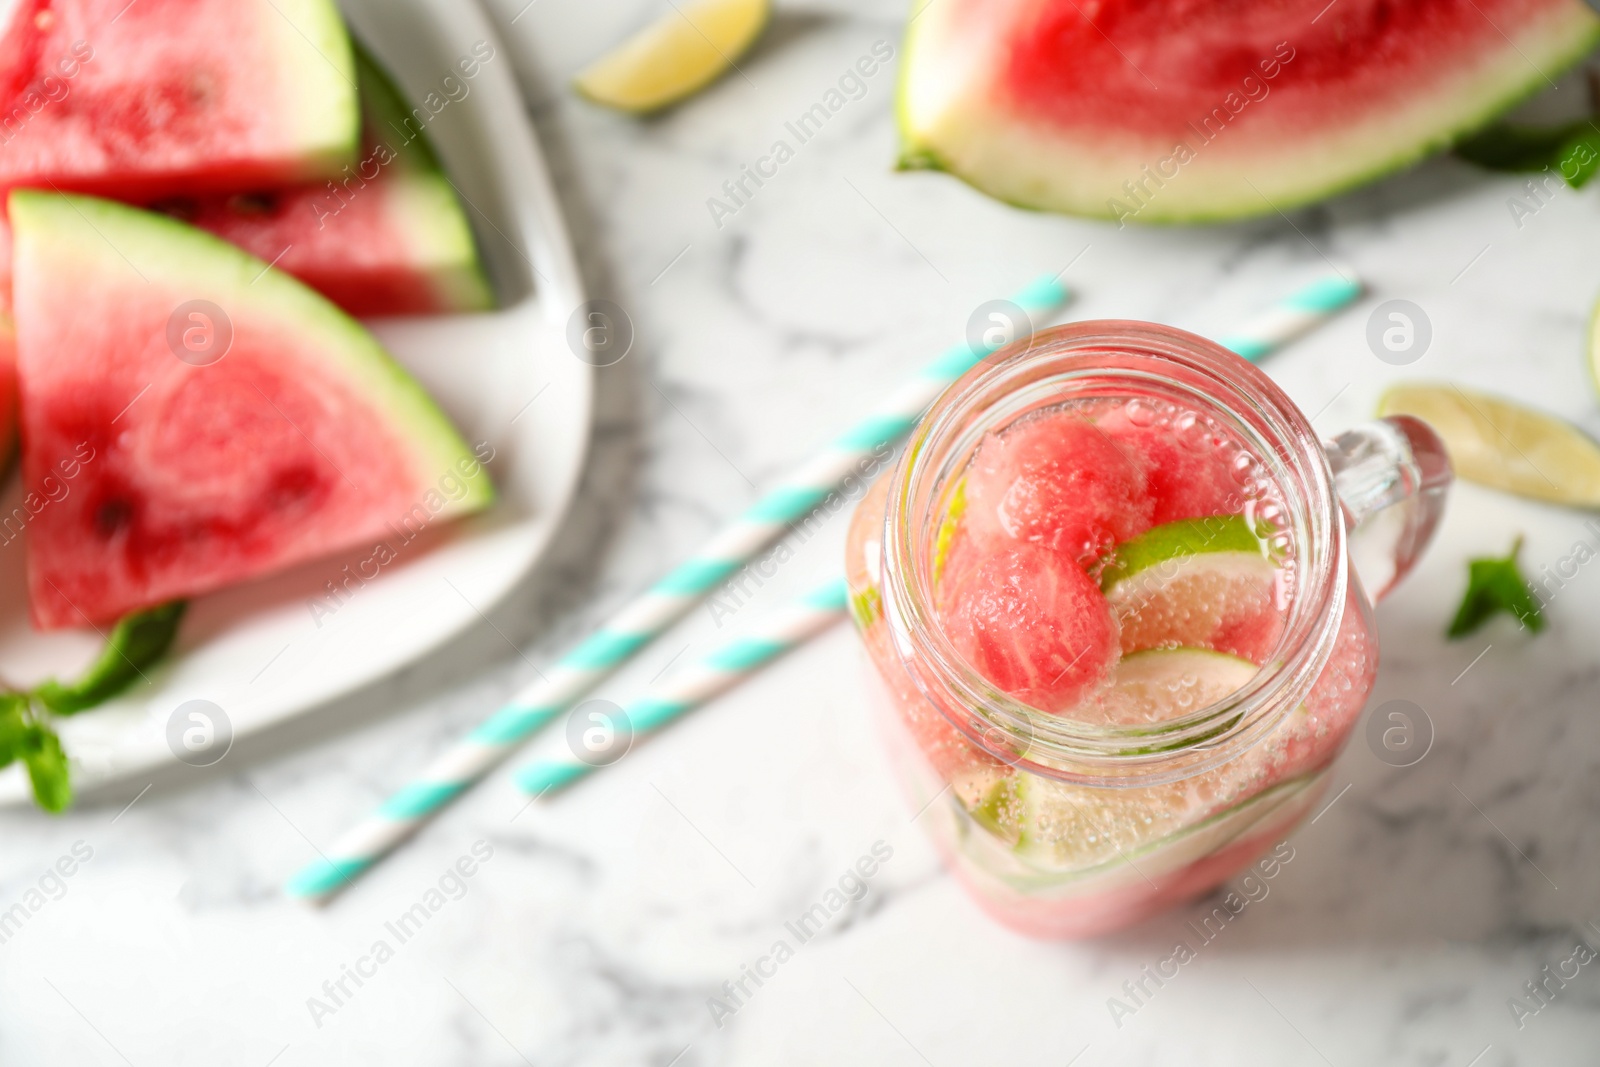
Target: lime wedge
[
  {"x": 1221, "y": 535},
  {"x": 947, "y": 527},
  {"x": 675, "y": 56},
  {"x": 1202, "y": 583},
  {"x": 1504, "y": 445}
]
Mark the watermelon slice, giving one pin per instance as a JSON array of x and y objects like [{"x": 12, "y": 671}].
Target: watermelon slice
[
  {"x": 1185, "y": 110},
  {"x": 297, "y": 437},
  {"x": 389, "y": 238},
  {"x": 142, "y": 99}
]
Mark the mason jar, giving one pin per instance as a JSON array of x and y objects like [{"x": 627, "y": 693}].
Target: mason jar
[{"x": 1071, "y": 827}]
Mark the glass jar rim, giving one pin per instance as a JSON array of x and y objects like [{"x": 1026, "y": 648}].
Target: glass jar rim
[{"x": 1100, "y": 354}]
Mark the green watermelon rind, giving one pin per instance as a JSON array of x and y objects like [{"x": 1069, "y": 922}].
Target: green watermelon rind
[
  {"x": 1215, "y": 535},
  {"x": 328, "y": 109},
  {"x": 166, "y": 250},
  {"x": 429, "y": 211},
  {"x": 915, "y": 154},
  {"x": 384, "y": 111},
  {"x": 430, "y": 215}
]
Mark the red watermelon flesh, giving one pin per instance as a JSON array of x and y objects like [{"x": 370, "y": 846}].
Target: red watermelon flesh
[
  {"x": 8, "y": 358},
  {"x": 143, "y": 99},
  {"x": 8, "y": 393},
  {"x": 1034, "y": 624},
  {"x": 185, "y": 475},
  {"x": 1188, "y": 464},
  {"x": 1182, "y": 110},
  {"x": 400, "y": 246},
  {"x": 1055, "y": 479}
]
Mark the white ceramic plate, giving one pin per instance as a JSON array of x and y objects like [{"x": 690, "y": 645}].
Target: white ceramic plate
[{"x": 259, "y": 651}]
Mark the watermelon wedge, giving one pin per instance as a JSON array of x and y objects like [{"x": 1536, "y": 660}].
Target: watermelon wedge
[
  {"x": 282, "y": 433},
  {"x": 389, "y": 237},
  {"x": 138, "y": 100},
  {"x": 1188, "y": 110}
]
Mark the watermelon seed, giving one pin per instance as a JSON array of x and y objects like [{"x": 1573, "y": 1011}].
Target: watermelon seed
[
  {"x": 253, "y": 204},
  {"x": 182, "y": 208},
  {"x": 111, "y": 517}
]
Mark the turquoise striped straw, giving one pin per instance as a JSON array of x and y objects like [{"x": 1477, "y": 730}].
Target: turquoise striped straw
[
  {"x": 718, "y": 672},
  {"x": 791, "y": 500},
  {"x": 1293, "y": 315}
]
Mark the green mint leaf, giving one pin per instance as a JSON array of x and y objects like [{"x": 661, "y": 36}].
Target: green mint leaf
[
  {"x": 136, "y": 643},
  {"x": 1571, "y": 150},
  {"x": 1580, "y": 159},
  {"x": 1493, "y": 586},
  {"x": 1505, "y": 147},
  {"x": 47, "y": 769},
  {"x": 14, "y": 726}
]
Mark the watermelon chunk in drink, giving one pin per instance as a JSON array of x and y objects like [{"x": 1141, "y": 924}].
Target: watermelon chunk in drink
[
  {"x": 1033, "y": 623},
  {"x": 1187, "y": 463},
  {"x": 1054, "y": 479},
  {"x": 195, "y": 469},
  {"x": 160, "y": 97},
  {"x": 1051, "y": 571}
]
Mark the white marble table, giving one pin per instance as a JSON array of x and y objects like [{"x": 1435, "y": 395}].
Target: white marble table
[{"x": 600, "y": 924}]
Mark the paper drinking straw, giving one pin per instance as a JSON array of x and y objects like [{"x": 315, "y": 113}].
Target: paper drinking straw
[
  {"x": 1293, "y": 315},
  {"x": 640, "y": 621},
  {"x": 717, "y": 673}
]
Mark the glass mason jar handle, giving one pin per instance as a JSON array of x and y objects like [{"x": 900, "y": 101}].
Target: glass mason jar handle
[{"x": 1392, "y": 476}]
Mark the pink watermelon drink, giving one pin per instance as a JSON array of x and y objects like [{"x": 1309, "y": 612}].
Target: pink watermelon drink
[{"x": 1113, "y": 614}]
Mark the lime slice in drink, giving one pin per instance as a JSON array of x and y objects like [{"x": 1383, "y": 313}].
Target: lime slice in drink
[
  {"x": 1504, "y": 445},
  {"x": 1200, "y": 583},
  {"x": 672, "y": 58},
  {"x": 1162, "y": 684},
  {"x": 1163, "y": 856},
  {"x": 1055, "y": 825}
]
